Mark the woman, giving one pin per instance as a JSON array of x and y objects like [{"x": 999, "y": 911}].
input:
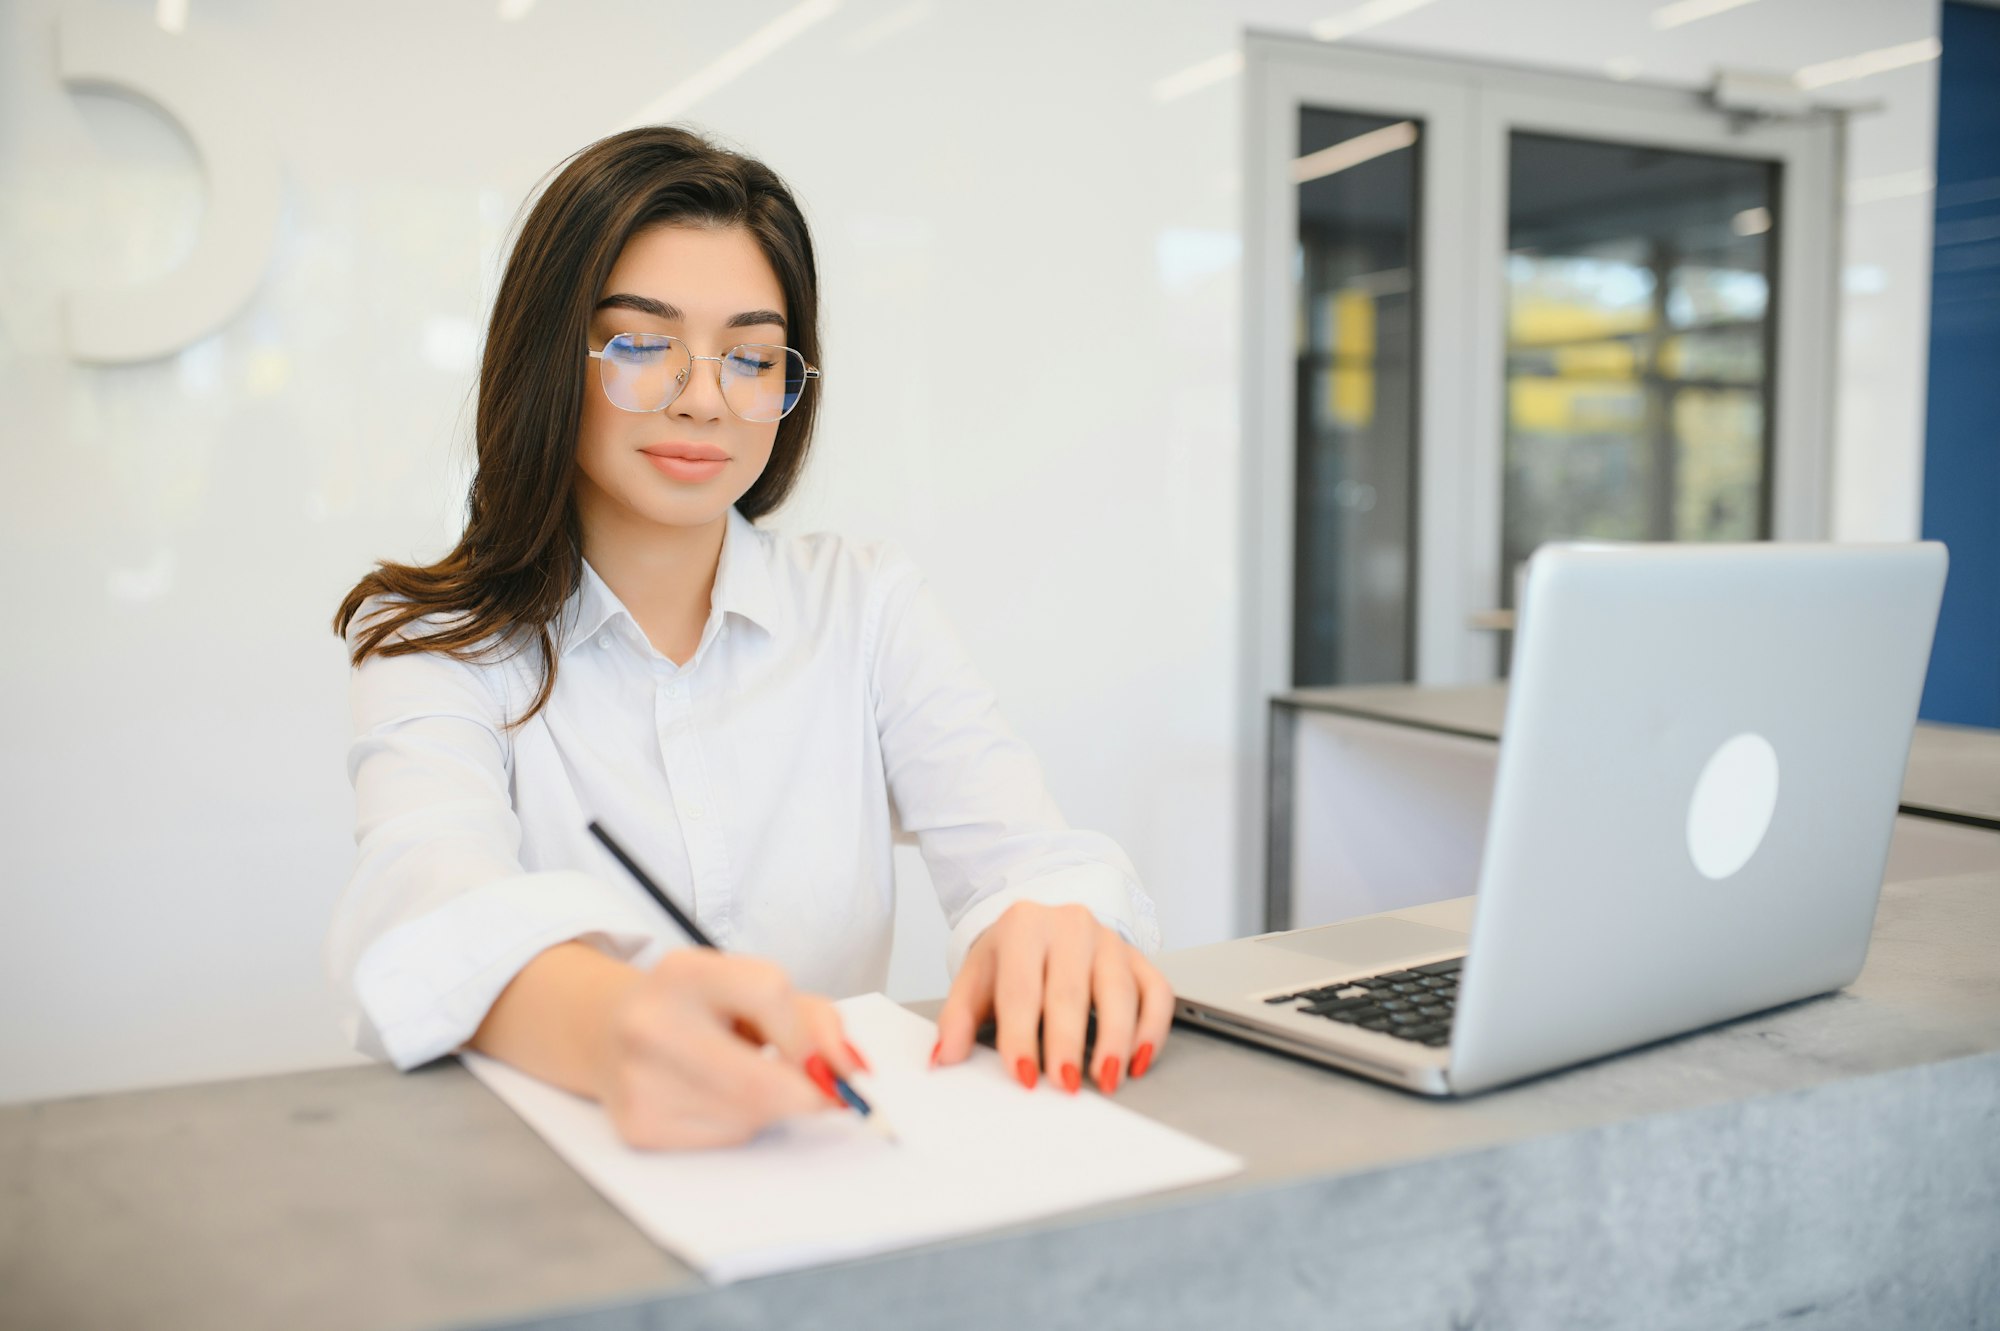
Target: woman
[{"x": 614, "y": 638}]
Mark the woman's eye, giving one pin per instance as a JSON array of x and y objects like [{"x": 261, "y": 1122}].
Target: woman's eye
[{"x": 747, "y": 364}]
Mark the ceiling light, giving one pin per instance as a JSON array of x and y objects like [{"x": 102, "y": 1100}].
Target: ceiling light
[
  {"x": 1868, "y": 62},
  {"x": 726, "y": 67},
  {"x": 1353, "y": 152},
  {"x": 1687, "y": 11},
  {"x": 1898, "y": 185},
  {"x": 1751, "y": 222},
  {"x": 1350, "y": 21},
  {"x": 1196, "y": 77}
]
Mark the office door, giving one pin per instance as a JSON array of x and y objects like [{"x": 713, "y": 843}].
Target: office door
[{"x": 1491, "y": 307}]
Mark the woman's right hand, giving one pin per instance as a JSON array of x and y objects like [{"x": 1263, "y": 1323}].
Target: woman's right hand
[{"x": 684, "y": 1067}]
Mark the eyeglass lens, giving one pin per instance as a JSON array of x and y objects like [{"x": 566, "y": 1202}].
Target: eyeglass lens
[{"x": 647, "y": 371}]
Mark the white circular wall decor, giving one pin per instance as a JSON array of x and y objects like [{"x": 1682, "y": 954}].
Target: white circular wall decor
[
  {"x": 191, "y": 80},
  {"x": 1732, "y": 805}
]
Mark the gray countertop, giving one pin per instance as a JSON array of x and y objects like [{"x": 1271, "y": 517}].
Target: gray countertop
[
  {"x": 1953, "y": 772},
  {"x": 1827, "y": 1163}
]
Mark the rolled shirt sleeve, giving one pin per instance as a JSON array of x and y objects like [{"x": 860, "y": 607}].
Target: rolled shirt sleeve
[
  {"x": 439, "y": 914},
  {"x": 970, "y": 789}
]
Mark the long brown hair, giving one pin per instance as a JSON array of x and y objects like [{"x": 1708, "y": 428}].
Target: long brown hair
[{"x": 522, "y": 552}]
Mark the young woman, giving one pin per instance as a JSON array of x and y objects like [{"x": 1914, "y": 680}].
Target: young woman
[{"x": 752, "y": 714}]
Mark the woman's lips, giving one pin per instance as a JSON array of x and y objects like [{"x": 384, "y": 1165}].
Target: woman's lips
[
  {"x": 687, "y": 462},
  {"x": 688, "y": 469}
]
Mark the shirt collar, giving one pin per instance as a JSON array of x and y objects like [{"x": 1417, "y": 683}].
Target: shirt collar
[
  {"x": 743, "y": 587},
  {"x": 743, "y": 582}
]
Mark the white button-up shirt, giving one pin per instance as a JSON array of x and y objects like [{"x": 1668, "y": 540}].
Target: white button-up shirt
[{"x": 760, "y": 784}]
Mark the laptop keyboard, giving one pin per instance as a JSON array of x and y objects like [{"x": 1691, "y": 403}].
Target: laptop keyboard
[{"x": 1414, "y": 1004}]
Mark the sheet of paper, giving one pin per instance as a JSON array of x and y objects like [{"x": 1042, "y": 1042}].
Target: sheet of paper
[{"x": 976, "y": 1151}]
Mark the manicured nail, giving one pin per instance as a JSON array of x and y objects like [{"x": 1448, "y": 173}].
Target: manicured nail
[
  {"x": 822, "y": 1077},
  {"x": 1107, "y": 1074},
  {"x": 1072, "y": 1079},
  {"x": 936, "y": 1049},
  {"x": 1024, "y": 1071},
  {"x": 855, "y": 1054},
  {"x": 1141, "y": 1060}
]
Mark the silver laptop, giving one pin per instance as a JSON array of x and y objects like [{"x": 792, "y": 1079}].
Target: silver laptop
[{"x": 1703, "y": 755}]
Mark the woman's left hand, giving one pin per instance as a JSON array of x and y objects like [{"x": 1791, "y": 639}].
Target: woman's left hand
[{"x": 1046, "y": 967}]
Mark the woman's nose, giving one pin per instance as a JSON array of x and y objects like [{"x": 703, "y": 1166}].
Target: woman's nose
[{"x": 702, "y": 398}]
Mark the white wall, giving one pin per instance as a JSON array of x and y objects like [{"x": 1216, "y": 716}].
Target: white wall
[{"x": 991, "y": 187}]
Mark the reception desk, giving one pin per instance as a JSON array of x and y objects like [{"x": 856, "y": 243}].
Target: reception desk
[{"x": 1832, "y": 1163}]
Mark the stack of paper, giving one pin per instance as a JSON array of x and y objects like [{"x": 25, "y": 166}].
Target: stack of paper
[{"x": 976, "y": 1151}]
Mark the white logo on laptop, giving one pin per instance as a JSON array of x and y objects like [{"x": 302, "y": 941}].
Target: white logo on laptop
[{"x": 1732, "y": 805}]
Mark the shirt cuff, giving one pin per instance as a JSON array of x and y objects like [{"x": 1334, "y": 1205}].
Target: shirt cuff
[
  {"x": 423, "y": 988},
  {"x": 1113, "y": 897}
]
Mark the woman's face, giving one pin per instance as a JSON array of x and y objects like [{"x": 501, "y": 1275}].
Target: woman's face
[{"x": 712, "y": 288}]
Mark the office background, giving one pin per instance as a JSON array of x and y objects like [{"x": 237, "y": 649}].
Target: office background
[{"x": 1005, "y": 198}]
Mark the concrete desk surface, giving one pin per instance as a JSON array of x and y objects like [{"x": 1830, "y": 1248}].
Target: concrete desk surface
[
  {"x": 1953, "y": 772},
  {"x": 1832, "y": 1163}
]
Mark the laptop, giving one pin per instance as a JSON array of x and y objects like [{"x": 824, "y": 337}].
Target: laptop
[{"x": 1699, "y": 775}]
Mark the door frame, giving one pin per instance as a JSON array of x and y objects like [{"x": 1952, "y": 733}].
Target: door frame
[{"x": 1466, "y": 111}]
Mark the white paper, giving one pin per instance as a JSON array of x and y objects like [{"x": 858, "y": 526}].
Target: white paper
[{"x": 976, "y": 1151}]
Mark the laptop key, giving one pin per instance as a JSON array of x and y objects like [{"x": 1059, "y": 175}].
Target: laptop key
[
  {"x": 1440, "y": 967},
  {"x": 1425, "y": 1031},
  {"x": 1333, "y": 1005},
  {"x": 1375, "y": 1024},
  {"x": 1282, "y": 998}
]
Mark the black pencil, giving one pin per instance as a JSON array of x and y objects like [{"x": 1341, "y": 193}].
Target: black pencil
[{"x": 694, "y": 931}]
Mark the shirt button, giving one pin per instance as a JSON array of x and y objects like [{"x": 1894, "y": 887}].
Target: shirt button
[
  {"x": 694, "y": 813},
  {"x": 604, "y": 640},
  {"x": 672, "y": 690}
]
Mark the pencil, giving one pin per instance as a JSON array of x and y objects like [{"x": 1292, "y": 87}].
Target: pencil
[{"x": 694, "y": 931}]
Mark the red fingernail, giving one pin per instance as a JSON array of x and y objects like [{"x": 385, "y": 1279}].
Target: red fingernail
[
  {"x": 1107, "y": 1074},
  {"x": 935, "y": 1050},
  {"x": 1024, "y": 1070},
  {"x": 822, "y": 1076},
  {"x": 1072, "y": 1080},
  {"x": 855, "y": 1054},
  {"x": 1142, "y": 1060}
]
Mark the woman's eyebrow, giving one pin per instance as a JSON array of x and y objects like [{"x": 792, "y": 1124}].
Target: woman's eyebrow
[{"x": 659, "y": 309}]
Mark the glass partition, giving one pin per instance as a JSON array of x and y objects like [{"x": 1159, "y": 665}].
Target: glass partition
[
  {"x": 1638, "y": 345},
  {"x": 1356, "y": 341}
]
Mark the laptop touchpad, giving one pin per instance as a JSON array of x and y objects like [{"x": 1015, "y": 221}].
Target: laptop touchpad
[{"x": 1369, "y": 942}]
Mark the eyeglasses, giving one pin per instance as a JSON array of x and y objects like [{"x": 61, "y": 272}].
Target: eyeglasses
[{"x": 647, "y": 371}]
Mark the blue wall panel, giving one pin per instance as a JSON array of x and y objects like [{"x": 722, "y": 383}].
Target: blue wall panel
[{"x": 1962, "y": 444}]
